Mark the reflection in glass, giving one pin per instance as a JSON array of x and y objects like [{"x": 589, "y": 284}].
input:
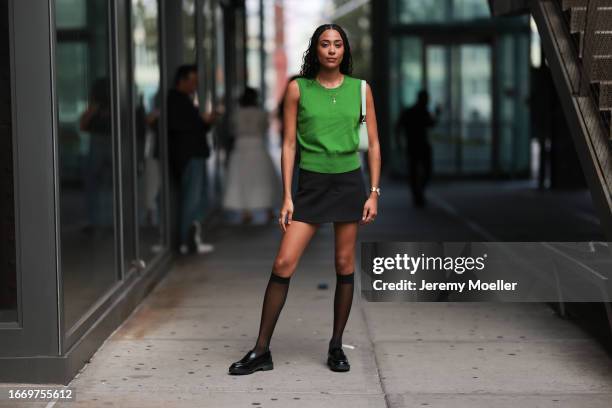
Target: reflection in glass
[
  {"x": 145, "y": 34},
  {"x": 406, "y": 71},
  {"x": 513, "y": 81},
  {"x": 469, "y": 9},
  {"x": 214, "y": 85},
  {"x": 208, "y": 52},
  {"x": 506, "y": 75},
  {"x": 411, "y": 75},
  {"x": 253, "y": 44},
  {"x": 219, "y": 53},
  {"x": 8, "y": 272},
  {"x": 85, "y": 148},
  {"x": 438, "y": 83},
  {"x": 189, "y": 34},
  {"x": 476, "y": 108},
  {"x": 410, "y": 11},
  {"x": 459, "y": 80},
  {"x": 439, "y": 11},
  {"x": 72, "y": 14},
  {"x": 214, "y": 182}
]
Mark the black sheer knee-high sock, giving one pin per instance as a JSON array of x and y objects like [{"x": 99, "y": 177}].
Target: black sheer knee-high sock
[
  {"x": 343, "y": 299},
  {"x": 274, "y": 299}
]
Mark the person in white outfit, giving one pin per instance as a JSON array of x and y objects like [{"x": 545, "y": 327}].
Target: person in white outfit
[{"x": 252, "y": 181}]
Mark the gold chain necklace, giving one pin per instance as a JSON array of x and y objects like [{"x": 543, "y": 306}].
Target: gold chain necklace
[{"x": 333, "y": 95}]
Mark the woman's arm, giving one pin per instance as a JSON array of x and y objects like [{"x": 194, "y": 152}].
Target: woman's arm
[
  {"x": 371, "y": 207},
  {"x": 290, "y": 107},
  {"x": 373, "y": 144}
]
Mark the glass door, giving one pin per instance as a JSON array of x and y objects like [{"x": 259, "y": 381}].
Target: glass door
[
  {"x": 86, "y": 156},
  {"x": 443, "y": 136},
  {"x": 406, "y": 72},
  {"x": 146, "y": 107},
  {"x": 458, "y": 78},
  {"x": 475, "y": 112}
]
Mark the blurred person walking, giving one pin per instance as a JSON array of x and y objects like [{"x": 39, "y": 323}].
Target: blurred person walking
[
  {"x": 188, "y": 151},
  {"x": 321, "y": 112},
  {"x": 252, "y": 181},
  {"x": 412, "y": 126}
]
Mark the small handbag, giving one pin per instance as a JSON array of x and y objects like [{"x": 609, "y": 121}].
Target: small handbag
[{"x": 363, "y": 129}]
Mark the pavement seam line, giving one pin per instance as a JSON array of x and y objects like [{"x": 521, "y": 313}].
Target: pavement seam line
[{"x": 372, "y": 345}]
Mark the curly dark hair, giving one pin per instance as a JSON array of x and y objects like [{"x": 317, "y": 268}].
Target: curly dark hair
[{"x": 310, "y": 60}]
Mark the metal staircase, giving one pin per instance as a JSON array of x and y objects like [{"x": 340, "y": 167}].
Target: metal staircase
[
  {"x": 576, "y": 37},
  {"x": 590, "y": 24}
]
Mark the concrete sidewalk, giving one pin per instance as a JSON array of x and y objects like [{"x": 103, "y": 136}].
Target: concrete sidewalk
[{"x": 174, "y": 351}]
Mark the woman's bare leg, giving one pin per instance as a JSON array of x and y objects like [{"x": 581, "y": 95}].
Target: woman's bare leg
[
  {"x": 292, "y": 245},
  {"x": 345, "y": 234}
]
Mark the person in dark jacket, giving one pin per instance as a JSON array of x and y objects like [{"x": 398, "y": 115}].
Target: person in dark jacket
[
  {"x": 188, "y": 151},
  {"x": 413, "y": 124}
]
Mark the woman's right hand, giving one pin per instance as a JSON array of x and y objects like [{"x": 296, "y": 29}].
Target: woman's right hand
[{"x": 286, "y": 212}]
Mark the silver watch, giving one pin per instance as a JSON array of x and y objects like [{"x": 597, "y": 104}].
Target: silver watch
[{"x": 376, "y": 189}]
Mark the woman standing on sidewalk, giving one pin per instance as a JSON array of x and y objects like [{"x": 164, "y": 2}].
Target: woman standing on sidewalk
[{"x": 323, "y": 108}]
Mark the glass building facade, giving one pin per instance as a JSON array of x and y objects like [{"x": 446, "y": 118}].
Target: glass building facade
[
  {"x": 476, "y": 71},
  {"x": 92, "y": 209},
  {"x": 8, "y": 276}
]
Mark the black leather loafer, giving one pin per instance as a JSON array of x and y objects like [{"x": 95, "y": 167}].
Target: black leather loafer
[
  {"x": 337, "y": 361},
  {"x": 251, "y": 363}
]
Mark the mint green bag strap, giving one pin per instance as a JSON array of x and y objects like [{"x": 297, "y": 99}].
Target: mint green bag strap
[
  {"x": 363, "y": 130},
  {"x": 363, "y": 99}
]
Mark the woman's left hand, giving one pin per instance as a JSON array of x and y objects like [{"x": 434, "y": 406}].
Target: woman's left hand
[{"x": 370, "y": 210}]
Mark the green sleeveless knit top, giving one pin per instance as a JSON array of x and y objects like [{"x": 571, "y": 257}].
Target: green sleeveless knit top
[{"x": 328, "y": 125}]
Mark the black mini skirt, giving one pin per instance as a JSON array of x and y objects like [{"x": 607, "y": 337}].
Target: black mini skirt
[{"x": 329, "y": 197}]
